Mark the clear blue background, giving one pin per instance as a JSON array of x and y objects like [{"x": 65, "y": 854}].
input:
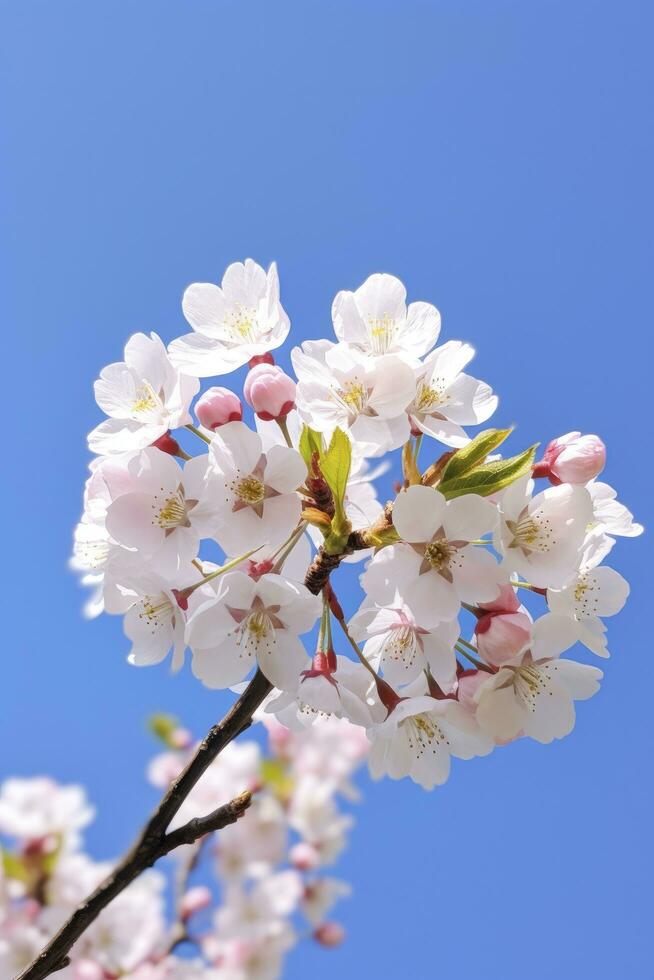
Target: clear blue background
[{"x": 497, "y": 156}]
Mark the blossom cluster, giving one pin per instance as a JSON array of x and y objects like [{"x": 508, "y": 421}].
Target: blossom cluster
[
  {"x": 443, "y": 658},
  {"x": 241, "y": 898}
]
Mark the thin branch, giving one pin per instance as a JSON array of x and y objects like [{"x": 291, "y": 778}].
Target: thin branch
[
  {"x": 154, "y": 840},
  {"x": 199, "y": 826}
]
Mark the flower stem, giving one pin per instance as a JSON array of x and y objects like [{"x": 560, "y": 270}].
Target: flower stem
[
  {"x": 220, "y": 571},
  {"x": 357, "y": 649},
  {"x": 281, "y": 422},
  {"x": 461, "y": 649},
  {"x": 286, "y": 548},
  {"x": 196, "y": 431}
]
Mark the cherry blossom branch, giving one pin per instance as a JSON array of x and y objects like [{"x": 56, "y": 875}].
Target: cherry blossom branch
[{"x": 155, "y": 840}]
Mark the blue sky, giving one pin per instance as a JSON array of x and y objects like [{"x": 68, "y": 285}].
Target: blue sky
[{"x": 495, "y": 155}]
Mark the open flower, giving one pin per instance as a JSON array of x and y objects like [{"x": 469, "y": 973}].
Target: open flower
[
  {"x": 144, "y": 396},
  {"x": 156, "y": 618},
  {"x": 254, "y": 493},
  {"x": 252, "y": 622},
  {"x": 241, "y": 319},
  {"x": 610, "y": 517},
  {"x": 541, "y": 537},
  {"x": 418, "y": 738},
  {"x": 340, "y": 386},
  {"x": 329, "y": 686},
  {"x": 446, "y": 399},
  {"x": 535, "y": 695},
  {"x": 39, "y": 812},
  {"x": 439, "y": 565},
  {"x": 404, "y": 639},
  {"x": 593, "y": 593},
  {"x": 376, "y": 320},
  {"x": 161, "y": 511}
]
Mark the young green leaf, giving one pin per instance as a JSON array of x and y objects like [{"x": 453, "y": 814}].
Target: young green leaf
[
  {"x": 310, "y": 443},
  {"x": 335, "y": 467},
  {"x": 466, "y": 458},
  {"x": 491, "y": 477}
]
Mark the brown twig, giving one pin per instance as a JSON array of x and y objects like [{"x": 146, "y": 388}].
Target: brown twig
[{"x": 154, "y": 840}]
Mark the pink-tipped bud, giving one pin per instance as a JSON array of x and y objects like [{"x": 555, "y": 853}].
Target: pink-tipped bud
[
  {"x": 572, "y": 458},
  {"x": 304, "y": 856},
  {"x": 167, "y": 444},
  {"x": 194, "y": 900},
  {"x": 507, "y": 601},
  {"x": 502, "y": 636},
  {"x": 468, "y": 684},
  {"x": 266, "y": 358},
  {"x": 87, "y": 970},
  {"x": 269, "y": 391},
  {"x": 180, "y": 738},
  {"x": 217, "y": 407},
  {"x": 329, "y": 934}
]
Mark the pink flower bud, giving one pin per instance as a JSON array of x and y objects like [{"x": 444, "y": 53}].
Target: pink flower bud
[
  {"x": 181, "y": 738},
  {"x": 329, "y": 934},
  {"x": 304, "y": 856},
  {"x": 217, "y": 406},
  {"x": 572, "y": 458},
  {"x": 87, "y": 970},
  {"x": 468, "y": 684},
  {"x": 502, "y": 636},
  {"x": 507, "y": 601},
  {"x": 167, "y": 444},
  {"x": 194, "y": 900},
  {"x": 269, "y": 391}
]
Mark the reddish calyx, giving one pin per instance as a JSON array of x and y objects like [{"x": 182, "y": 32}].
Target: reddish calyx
[
  {"x": 323, "y": 665},
  {"x": 167, "y": 444},
  {"x": 266, "y": 358}
]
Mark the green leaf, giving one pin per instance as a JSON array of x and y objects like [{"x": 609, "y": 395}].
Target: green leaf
[
  {"x": 14, "y": 867},
  {"x": 491, "y": 477},
  {"x": 475, "y": 452},
  {"x": 335, "y": 467},
  {"x": 274, "y": 775},
  {"x": 310, "y": 443},
  {"x": 163, "y": 726}
]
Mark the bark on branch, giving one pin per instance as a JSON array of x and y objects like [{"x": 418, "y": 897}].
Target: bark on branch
[{"x": 154, "y": 840}]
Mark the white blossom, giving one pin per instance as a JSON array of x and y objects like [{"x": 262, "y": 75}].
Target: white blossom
[
  {"x": 252, "y": 622},
  {"x": 232, "y": 323},
  {"x": 339, "y": 386},
  {"x": 253, "y": 493},
  {"x": 144, "y": 396},
  {"x": 446, "y": 399},
  {"x": 541, "y": 537},
  {"x": 418, "y": 738},
  {"x": 375, "y": 319}
]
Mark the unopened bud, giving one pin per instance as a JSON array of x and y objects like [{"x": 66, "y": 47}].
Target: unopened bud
[
  {"x": 167, "y": 444},
  {"x": 502, "y": 636},
  {"x": 87, "y": 970},
  {"x": 304, "y": 856},
  {"x": 572, "y": 458},
  {"x": 329, "y": 934},
  {"x": 269, "y": 391},
  {"x": 180, "y": 738},
  {"x": 217, "y": 407},
  {"x": 468, "y": 684},
  {"x": 194, "y": 900},
  {"x": 507, "y": 601}
]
